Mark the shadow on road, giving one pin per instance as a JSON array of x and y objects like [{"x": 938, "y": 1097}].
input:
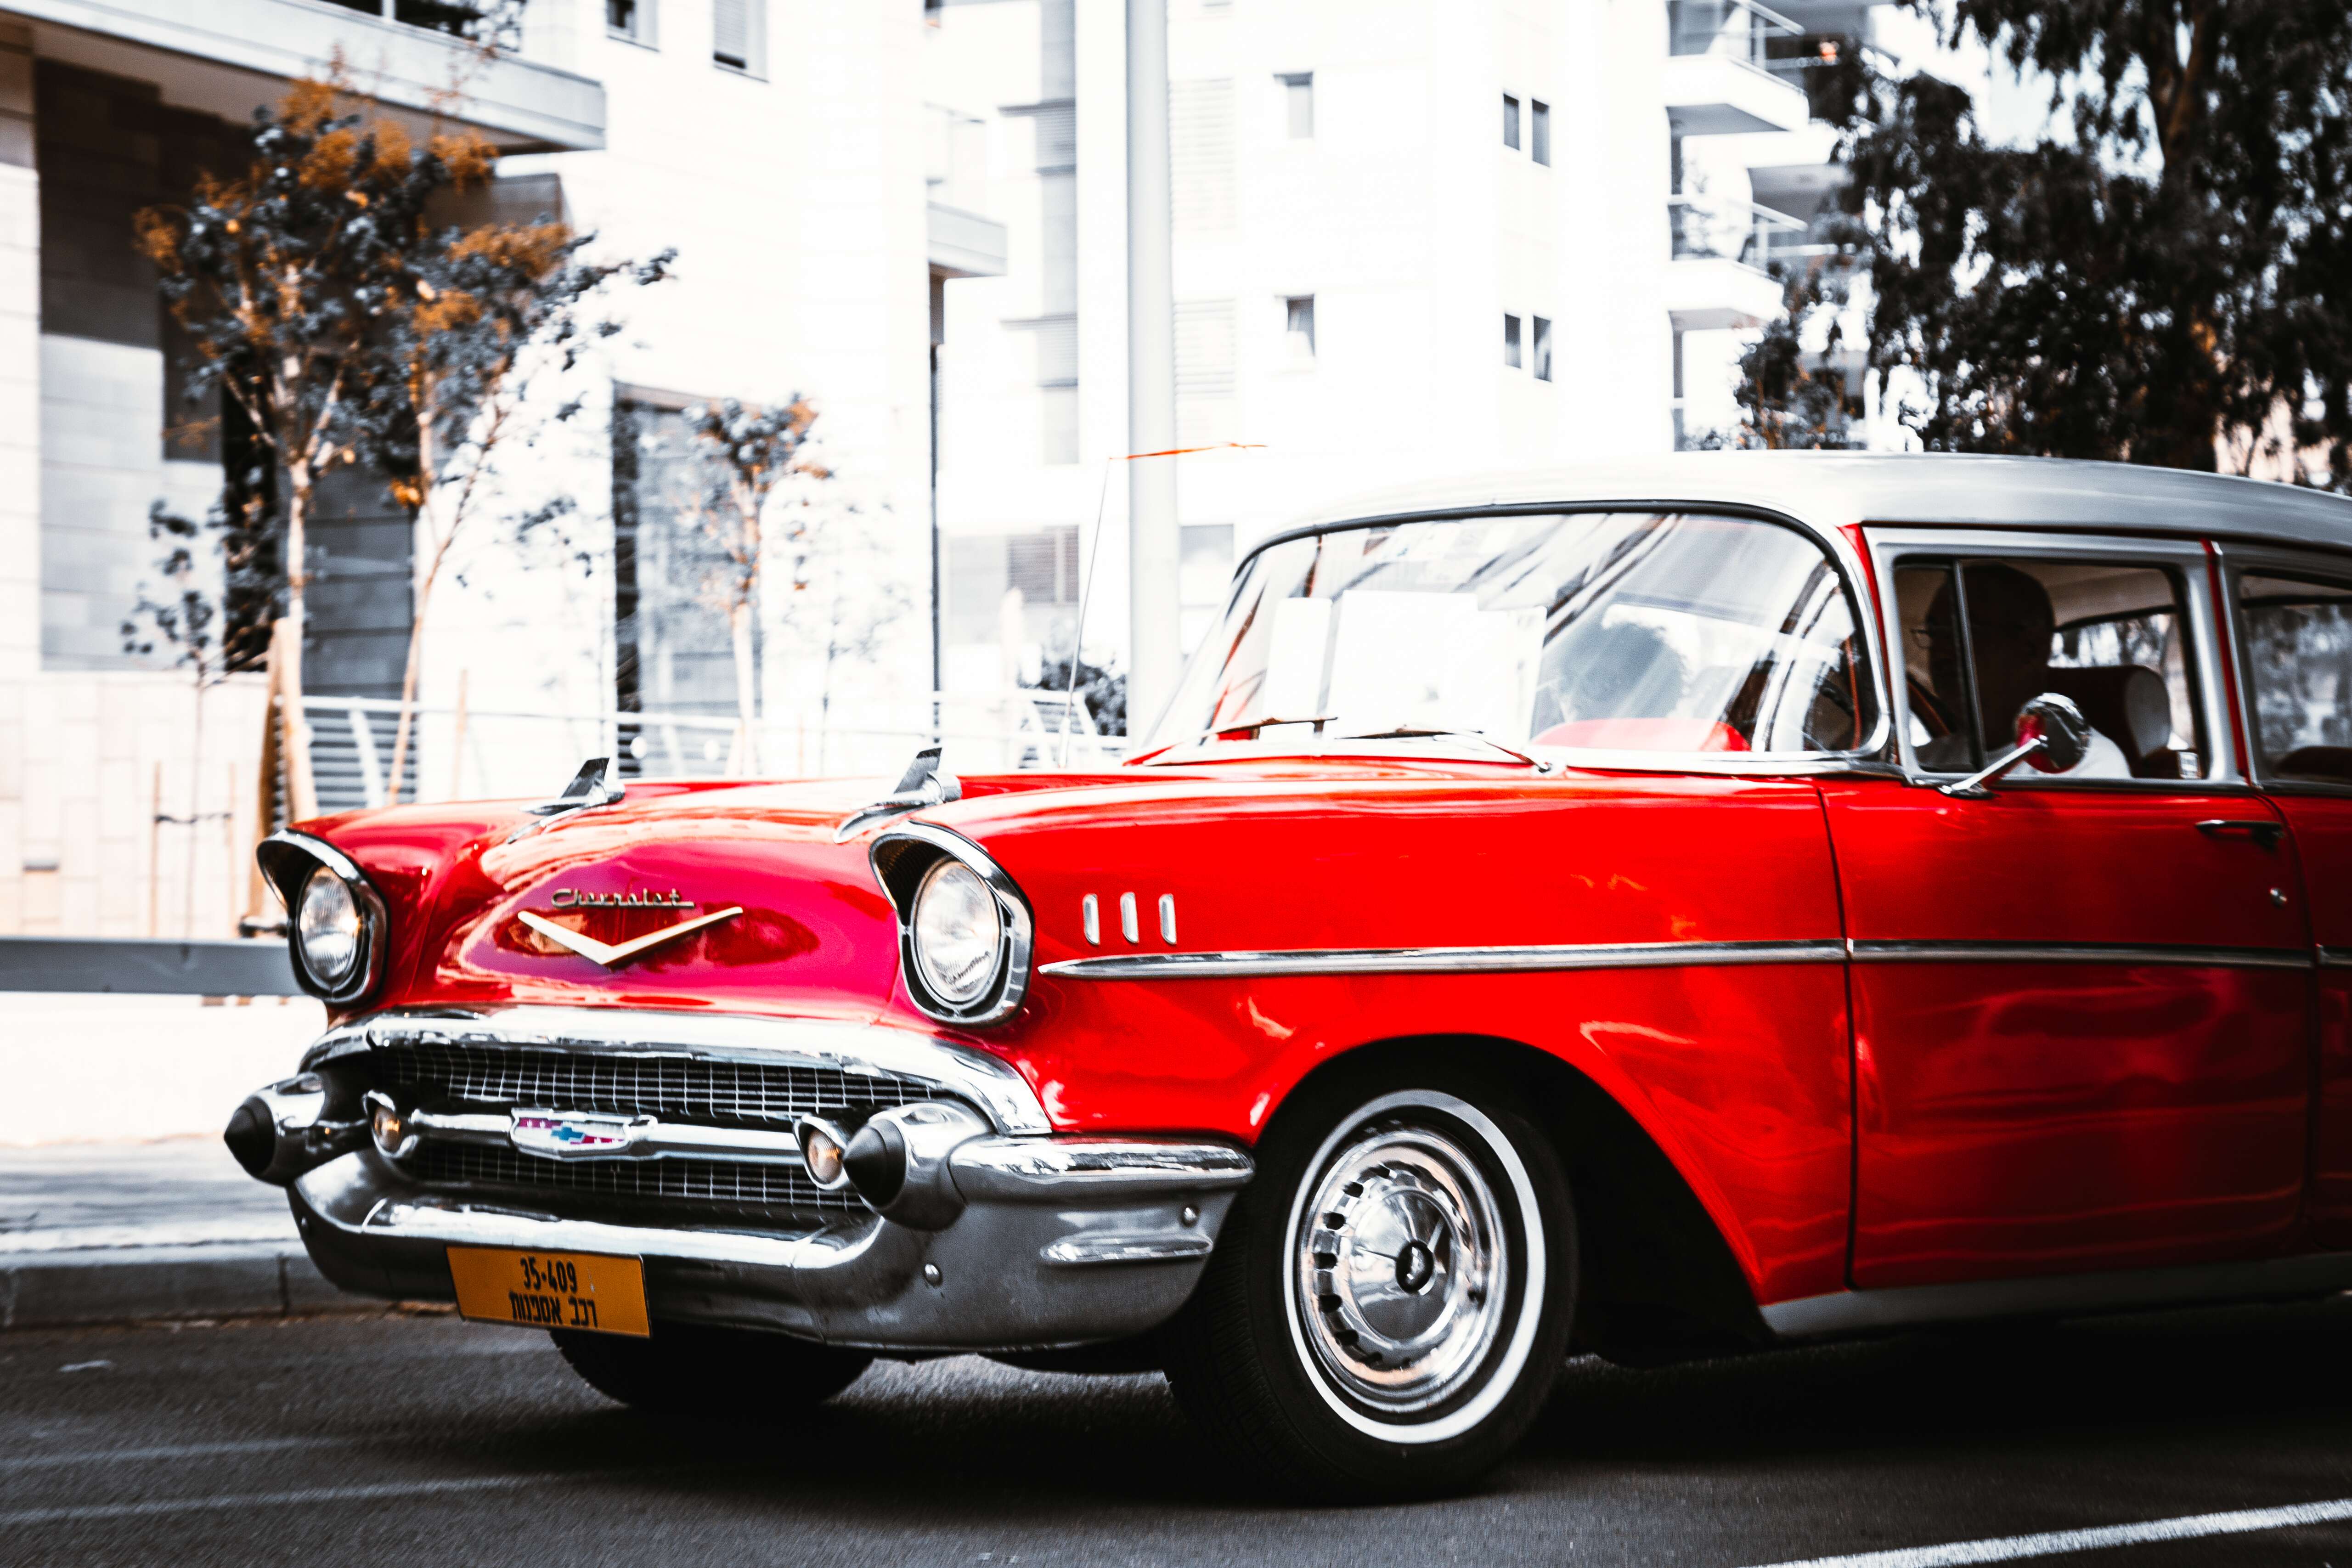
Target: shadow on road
[{"x": 974, "y": 1438}]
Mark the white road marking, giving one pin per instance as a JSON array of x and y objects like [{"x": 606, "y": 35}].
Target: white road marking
[
  {"x": 83, "y": 1511},
  {"x": 2052, "y": 1544},
  {"x": 170, "y": 1451}
]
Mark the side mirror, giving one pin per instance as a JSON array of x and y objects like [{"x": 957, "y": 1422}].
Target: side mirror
[
  {"x": 2059, "y": 725},
  {"x": 2052, "y": 734}
]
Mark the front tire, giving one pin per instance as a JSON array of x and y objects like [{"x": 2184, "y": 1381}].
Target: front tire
[
  {"x": 1389, "y": 1303},
  {"x": 690, "y": 1369}
]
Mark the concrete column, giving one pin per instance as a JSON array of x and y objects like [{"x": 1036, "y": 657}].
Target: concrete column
[
  {"x": 1153, "y": 551},
  {"x": 20, "y": 470},
  {"x": 20, "y": 360}
]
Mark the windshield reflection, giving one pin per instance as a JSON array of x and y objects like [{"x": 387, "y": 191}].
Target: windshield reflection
[{"x": 1588, "y": 631}]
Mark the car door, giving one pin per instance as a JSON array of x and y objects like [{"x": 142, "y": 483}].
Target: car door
[
  {"x": 2292, "y": 614},
  {"x": 2080, "y": 1002}
]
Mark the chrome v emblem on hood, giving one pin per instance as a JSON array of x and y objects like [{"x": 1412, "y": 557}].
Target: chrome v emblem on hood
[{"x": 612, "y": 956}]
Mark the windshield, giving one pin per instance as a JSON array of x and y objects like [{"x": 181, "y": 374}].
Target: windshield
[{"x": 1610, "y": 631}]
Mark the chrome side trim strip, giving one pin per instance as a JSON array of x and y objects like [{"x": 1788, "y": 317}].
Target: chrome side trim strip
[
  {"x": 990, "y": 1086},
  {"x": 2335, "y": 958},
  {"x": 2080, "y": 953},
  {"x": 1860, "y": 1312},
  {"x": 1443, "y": 960}
]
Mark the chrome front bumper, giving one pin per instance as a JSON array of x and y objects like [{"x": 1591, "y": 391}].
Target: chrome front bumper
[{"x": 1052, "y": 1241}]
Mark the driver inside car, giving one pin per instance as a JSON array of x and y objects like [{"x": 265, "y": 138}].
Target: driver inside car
[{"x": 2011, "y": 624}]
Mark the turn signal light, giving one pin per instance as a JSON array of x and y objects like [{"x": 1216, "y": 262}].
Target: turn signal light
[
  {"x": 389, "y": 1128},
  {"x": 823, "y": 1149}
]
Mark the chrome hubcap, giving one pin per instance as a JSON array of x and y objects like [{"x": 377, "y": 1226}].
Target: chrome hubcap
[{"x": 1402, "y": 1268}]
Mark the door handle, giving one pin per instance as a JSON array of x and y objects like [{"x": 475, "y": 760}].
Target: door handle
[{"x": 2264, "y": 832}]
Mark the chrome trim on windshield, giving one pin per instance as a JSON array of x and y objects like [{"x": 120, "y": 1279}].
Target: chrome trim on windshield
[
  {"x": 990, "y": 1086},
  {"x": 2138, "y": 952},
  {"x": 1443, "y": 960}
]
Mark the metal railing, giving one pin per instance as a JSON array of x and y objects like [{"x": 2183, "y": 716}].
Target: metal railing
[
  {"x": 1736, "y": 29},
  {"x": 1706, "y": 228},
  {"x": 476, "y": 754}
]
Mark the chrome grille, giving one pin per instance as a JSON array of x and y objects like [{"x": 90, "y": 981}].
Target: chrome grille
[
  {"x": 678, "y": 1087},
  {"x": 775, "y": 1188}
]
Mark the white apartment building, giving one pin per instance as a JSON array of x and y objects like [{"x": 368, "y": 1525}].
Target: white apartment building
[
  {"x": 1410, "y": 236},
  {"x": 777, "y": 145}
]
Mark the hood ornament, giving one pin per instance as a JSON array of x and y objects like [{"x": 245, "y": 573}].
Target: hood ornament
[
  {"x": 924, "y": 784},
  {"x": 589, "y": 788}
]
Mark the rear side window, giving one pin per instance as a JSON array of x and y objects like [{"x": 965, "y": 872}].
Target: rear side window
[
  {"x": 2299, "y": 666},
  {"x": 1983, "y": 638}
]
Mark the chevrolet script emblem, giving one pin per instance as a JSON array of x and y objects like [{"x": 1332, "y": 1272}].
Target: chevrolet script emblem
[{"x": 612, "y": 955}]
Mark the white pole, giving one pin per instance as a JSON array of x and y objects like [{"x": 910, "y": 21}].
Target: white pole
[{"x": 1152, "y": 548}]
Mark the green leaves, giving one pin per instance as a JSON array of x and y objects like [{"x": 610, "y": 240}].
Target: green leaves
[{"x": 2168, "y": 281}]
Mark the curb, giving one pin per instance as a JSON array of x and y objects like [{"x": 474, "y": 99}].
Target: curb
[{"x": 114, "y": 1285}]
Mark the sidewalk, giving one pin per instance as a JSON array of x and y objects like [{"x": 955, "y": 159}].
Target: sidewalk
[{"x": 96, "y": 1233}]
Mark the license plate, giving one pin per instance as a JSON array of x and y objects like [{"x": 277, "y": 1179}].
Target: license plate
[{"x": 589, "y": 1290}]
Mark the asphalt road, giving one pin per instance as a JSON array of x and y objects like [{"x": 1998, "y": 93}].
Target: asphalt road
[{"x": 418, "y": 1440}]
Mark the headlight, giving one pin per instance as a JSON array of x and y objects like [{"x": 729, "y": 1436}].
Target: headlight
[
  {"x": 959, "y": 933},
  {"x": 327, "y": 926}
]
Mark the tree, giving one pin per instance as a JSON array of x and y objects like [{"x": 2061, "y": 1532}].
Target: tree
[
  {"x": 750, "y": 450},
  {"x": 846, "y": 598},
  {"x": 1788, "y": 399},
  {"x": 188, "y": 618},
  {"x": 283, "y": 276},
  {"x": 476, "y": 315},
  {"x": 2160, "y": 280}
]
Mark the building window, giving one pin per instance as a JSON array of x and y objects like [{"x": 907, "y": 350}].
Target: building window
[
  {"x": 739, "y": 36},
  {"x": 630, "y": 19},
  {"x": 1539, "y": 130},
  {"x": 1511, "y": 342},
  {"x": 1510, "y": 122},
  {"x": 1298, "y": 326},
  {"x": 1540, "y": 329},
  {"x": 1298, "y": 104}
]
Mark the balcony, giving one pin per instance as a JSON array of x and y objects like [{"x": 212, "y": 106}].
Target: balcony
[
  {"x": 403, "y": 53},
  {"x": 1719, "y": 74},
  {"x": 962, "y": 242},
  {"x": 1720, "y": 252}
]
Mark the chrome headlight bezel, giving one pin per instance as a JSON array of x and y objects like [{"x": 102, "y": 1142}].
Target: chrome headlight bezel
[
  {"x": 904, "y": 859},
  {"x": 289, "y": 861}
]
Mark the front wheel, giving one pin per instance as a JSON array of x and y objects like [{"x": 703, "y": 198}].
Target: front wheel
[
  {"x": 1389, "y": 1303},
  {"x": 690, "y": 1369}
]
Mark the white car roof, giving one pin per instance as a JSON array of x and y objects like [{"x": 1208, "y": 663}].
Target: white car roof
[{"x": 1834, "y": 489}]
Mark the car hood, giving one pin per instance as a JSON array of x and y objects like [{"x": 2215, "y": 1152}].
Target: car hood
[{"x": 811, "y": 933}]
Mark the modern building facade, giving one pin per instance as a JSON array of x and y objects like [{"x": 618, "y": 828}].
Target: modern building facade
[{"x": 777, "y": 146}]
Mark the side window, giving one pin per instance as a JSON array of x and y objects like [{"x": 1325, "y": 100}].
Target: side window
[
  {"x": 1982, "y": 638},
  {"x": 2299, "y": 668}
]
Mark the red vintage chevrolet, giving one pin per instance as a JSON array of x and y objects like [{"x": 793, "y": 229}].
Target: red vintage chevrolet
[{"x": 1651, "y": 909}]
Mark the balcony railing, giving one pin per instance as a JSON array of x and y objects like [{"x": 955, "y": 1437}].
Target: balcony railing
[
  {"x": 1737, "y": 29},
  {"x": 1715, "y": 228}
]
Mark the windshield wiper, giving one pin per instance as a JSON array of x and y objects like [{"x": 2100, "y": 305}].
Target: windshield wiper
[
  {"x": 1251, "y": 728},
  {"x": 1515, "y": 755}
]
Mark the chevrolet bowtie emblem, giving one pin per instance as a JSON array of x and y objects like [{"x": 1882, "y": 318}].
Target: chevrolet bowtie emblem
[{"x": 614, "y": 955}]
